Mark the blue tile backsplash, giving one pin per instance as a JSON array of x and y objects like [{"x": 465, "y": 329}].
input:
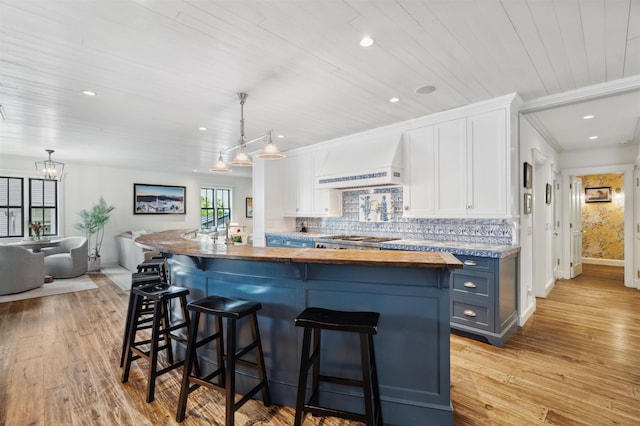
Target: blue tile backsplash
[{"x": 486, "y": 231}]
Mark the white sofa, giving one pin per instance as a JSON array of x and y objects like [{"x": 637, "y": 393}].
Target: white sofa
[{"x": 130, "y": 254}]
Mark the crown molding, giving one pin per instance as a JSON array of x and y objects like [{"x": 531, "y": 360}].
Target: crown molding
[{"x": 596, "y": 91}]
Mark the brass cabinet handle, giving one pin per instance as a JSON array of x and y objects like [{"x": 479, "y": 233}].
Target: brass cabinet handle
[
  {"x": 470, "y": 263},
  {"x": 470, "y": 284},
  {"x": 469, "y": 313}
]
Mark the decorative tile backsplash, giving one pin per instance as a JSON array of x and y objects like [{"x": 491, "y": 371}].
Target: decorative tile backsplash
[{"x": 385, "y": 218}]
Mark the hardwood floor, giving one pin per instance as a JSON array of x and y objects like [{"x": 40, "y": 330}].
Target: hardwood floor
[{"x": 576, "y": 362}]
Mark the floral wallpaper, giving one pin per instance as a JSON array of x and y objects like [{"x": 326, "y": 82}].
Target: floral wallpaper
[{"x": 603, "y": 222}]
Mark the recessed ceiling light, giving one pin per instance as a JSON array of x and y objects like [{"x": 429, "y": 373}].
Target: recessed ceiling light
[
  {"x": 280, "y": 136},
  {"x": 588, "y": 117},
  {"x": 593, "y": 138},
  {"x": 204, "y": 129},
  {"x": 425, "y": 90},
  {"x": 394, "y": 100},
  {"x": 195, "y": 170},
  {"x": 88, "y": 93},
  {"x": 366, "y": 41}
]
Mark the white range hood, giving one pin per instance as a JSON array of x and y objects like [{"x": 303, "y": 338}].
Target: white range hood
[{"x": 366, "y": 159}]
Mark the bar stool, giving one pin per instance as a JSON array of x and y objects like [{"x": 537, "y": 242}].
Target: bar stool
[
  {"x": 138, "y": 279},
  {"x": 363, "y": 323},
  {"x": 233, "y": 310},
  {"x": 159, "y": 296},
  {"x": 155, "y": 264}
]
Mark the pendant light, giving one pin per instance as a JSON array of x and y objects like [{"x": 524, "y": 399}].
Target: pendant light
[
  {"x": 242, "y": 159},
  {"x": 50, "y": 169},
  {"x": 220, "y": 166},
  {"x": 270, "y": 151}
]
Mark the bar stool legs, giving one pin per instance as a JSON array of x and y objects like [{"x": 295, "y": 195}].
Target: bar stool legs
[
  {"x": 161, "y": 329},
  {"x": 314, "y": 320},
  {"x": 233, "y": 310}
]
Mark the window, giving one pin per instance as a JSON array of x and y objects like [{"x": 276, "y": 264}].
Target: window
[
  {"x": 43, "y": 204},
  {"x": 11, "y": 207},
  {"x": 215, "y": 208}
]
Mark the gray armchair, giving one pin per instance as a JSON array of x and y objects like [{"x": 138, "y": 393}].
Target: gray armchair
[
  {"x": 20, "y": 270},
  {"x": 68, "y": 260}
]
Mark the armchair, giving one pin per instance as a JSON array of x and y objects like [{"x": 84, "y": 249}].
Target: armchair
[
  {"x": 68, "y": 260},
  {"x": 20, "y": 269}
]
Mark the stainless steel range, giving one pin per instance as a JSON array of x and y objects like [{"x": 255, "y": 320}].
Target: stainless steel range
[{"x": 353, "y": 242}]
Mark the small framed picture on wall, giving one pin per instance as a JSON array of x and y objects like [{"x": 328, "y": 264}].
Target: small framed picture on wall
[
  {"x": 528, "y": 175},
  {"x": 249, "y": 207},
  {"x": 527, "y": 203},
  {"x": 547, "y": 197}
]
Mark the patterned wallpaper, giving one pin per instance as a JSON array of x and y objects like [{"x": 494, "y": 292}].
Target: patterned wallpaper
[{"x": 603, "y": 223}]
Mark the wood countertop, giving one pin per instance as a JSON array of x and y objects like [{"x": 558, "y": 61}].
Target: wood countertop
[{"x": 182, "y": 242}]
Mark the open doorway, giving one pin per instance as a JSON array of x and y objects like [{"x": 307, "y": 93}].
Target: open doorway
[
  {"x": 603, "y": 219},
  {"x": 607, "y": 213}
]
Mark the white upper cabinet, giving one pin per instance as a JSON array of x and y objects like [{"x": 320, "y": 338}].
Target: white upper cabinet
[
  {"x": 451, "y": 168},
  {"x": 301, "y": 198},
  {"x": 419, "y": 172},
  {"x": 487, "y": 148},
  {"x": 459, "y": 167}
]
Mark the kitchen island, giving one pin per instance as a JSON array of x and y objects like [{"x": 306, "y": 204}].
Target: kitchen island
[{"x": 410, "y": 290}]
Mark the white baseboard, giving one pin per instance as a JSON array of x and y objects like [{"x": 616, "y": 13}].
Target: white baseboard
[
  {"x": 608, "y": 262},
  {"x": 524, "y": 316}
]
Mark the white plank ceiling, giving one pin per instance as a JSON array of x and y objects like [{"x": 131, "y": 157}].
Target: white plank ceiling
[{"x": 164, "y": 68}]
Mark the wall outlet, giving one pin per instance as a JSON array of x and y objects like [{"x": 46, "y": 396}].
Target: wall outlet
[{"x": 529, "y": 291}]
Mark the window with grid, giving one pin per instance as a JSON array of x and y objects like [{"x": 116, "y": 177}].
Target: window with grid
[
  {"x": 215, "y": 208},
  {"x": 43, "y": 204},
  {"x": 11, "y": 207}
]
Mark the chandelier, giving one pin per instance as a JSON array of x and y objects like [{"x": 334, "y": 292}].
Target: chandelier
[
  {"x": 242, "y": 158},
  {"x": 50, "y": 169}
]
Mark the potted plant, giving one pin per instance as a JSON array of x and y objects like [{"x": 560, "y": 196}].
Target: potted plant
[{"x": 92, "y": 224}]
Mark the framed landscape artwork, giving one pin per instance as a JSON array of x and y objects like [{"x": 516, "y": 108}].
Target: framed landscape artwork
[
  {"x": 159, "y": 199},
  {"x": 597, "y": 195}
]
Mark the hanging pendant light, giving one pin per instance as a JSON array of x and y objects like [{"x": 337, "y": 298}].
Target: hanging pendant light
[
  {"x": 242, "y": 159},
  {"x": 270, "y": 151},
  {"x": 50, "y": 169},
  {"x": 220, "y": 166}
]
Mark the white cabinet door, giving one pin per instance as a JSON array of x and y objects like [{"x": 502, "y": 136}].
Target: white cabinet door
[
  {"x": 419, "y": 172},
  {"x": 451, "y": 168},
  {"x": 305, "y": 183},
  {"x": 486, "y": 163},
  {"x": 289, "y": 187}
]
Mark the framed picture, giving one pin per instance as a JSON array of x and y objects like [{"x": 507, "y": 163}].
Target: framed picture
[
  {"x": 527, "y": 203},
  {"x": 597, "y": 195},
  {"x": 159, "y": 199},
  {"x": 547, "y": 197},
  {"x": 249, "y": 207},
  {"x": 528, "y": 175}
]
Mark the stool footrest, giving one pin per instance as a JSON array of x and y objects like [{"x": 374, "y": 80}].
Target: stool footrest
[{"x": 341, "y": 381}]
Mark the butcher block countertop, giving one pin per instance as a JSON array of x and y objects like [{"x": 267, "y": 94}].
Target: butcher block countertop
[{"x": 184, "y": 242}]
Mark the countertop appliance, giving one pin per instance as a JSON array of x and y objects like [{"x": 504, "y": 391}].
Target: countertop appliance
[{"x": 353, "y": 242}]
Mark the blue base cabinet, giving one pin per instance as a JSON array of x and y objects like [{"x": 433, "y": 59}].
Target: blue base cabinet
[{"x": 484, "y": 298}]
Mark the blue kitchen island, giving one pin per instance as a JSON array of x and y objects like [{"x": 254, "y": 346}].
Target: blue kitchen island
[{"x": 410, "y": 290}]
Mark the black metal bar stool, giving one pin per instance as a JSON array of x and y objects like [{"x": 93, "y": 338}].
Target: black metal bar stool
[
  {"x": 137, "y": 279},
  {"x": 233, "y": 310},
  {"x": 162, "y": 328},
  {"x": 363, "y": 323}
]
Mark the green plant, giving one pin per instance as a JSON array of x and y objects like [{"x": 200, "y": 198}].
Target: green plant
[{"x": 93, "y": 222}]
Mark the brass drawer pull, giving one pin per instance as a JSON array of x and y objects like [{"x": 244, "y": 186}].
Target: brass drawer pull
[
  {"x": 469, "y": 313},
  {"x": 470, "y": 263},
  {"x": 470, "y": 284}
]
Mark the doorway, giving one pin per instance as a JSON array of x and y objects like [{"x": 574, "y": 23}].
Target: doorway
[{"x": 623, "y": 197}]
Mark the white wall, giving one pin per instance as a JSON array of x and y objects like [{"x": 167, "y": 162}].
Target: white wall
[
  {"x": 84, "y": 184},
  {"x": 536, "y": 226}
]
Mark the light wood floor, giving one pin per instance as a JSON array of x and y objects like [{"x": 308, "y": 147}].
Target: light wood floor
[{"x": 576, "y": 362}]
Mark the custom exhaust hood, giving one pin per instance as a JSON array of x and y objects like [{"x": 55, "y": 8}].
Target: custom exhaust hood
[{"x": 366, "y": 159}]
